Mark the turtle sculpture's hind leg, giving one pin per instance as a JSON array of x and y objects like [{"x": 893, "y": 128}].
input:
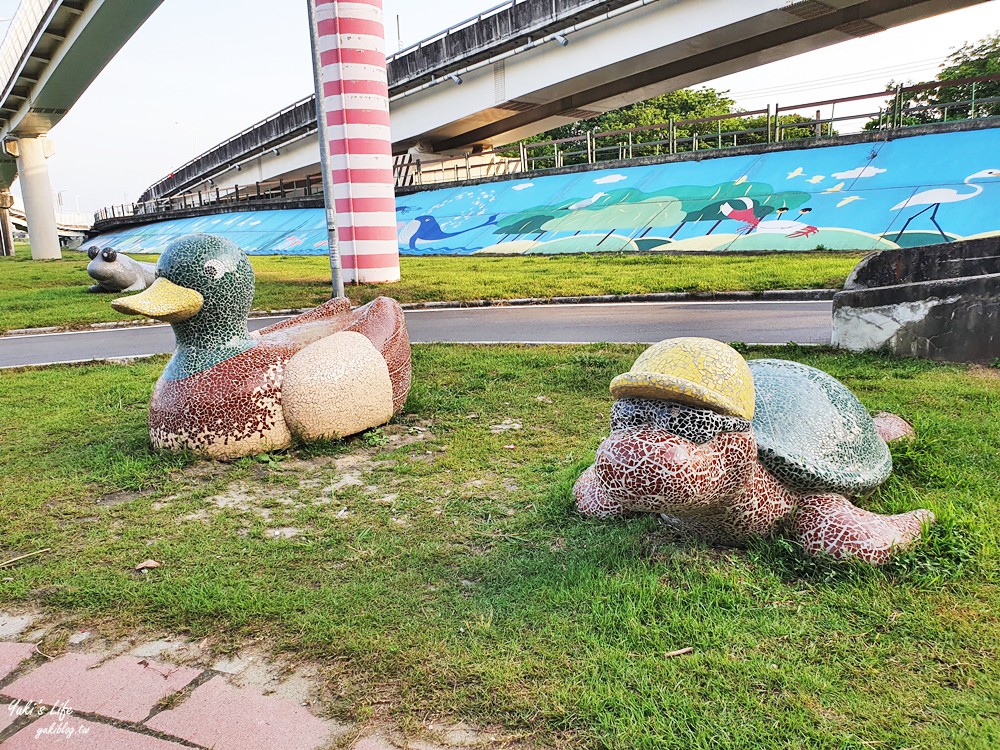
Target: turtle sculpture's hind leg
[{"x": 830, "y": 524}]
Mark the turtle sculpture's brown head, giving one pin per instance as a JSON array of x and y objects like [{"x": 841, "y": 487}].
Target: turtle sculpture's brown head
[{"x": 656, "y": 472}]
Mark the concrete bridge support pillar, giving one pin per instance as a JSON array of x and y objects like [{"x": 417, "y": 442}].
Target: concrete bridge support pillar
[
  {"x": 36, "y": 191},
  {"x": 353, "y": 106},
  {"x": 6, "y": 235}
]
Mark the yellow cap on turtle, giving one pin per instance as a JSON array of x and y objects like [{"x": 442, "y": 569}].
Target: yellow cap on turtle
[{"x": 695, "y": 371}]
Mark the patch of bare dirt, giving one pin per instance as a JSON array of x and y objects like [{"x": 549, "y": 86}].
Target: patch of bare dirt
[
  {"x": 984, "y": 372},
  {"x": 321, "y": 480},
  {"x": 124, "y": 496},
  {"x": 400, "y": 435}
]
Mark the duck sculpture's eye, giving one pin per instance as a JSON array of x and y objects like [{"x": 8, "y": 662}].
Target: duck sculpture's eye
[
  {"x": 214, "y": 270},
  {"x": 218, "y": 267},
  {"x": 93, "y": 253},
  {"x": 109, "y": 255}
]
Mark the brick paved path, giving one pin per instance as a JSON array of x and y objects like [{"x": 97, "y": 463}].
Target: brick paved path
[
  {"x": 134, "y": 703},
  {"x": 107, "y": 700}
]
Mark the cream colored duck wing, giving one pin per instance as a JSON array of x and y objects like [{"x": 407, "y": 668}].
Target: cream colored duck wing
[{"x": 304, "y": 329}]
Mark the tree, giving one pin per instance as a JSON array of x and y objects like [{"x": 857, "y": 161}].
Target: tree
[
  {"x": 972, "y": 61},
  {"x": 685, "y": 104},
  {"x": 680, "y": 106},
  {"x": 979, "y": 99}
]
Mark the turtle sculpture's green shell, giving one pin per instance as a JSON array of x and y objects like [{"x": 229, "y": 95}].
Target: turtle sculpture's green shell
[{"x": 813, "y": 433}]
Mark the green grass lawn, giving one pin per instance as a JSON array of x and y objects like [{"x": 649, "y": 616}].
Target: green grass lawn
[
  {"x": 54, "y": 293},
  {"x": 451, "y": 576}
]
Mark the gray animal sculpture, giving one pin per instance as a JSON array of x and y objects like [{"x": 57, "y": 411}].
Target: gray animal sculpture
[{"x": 115, "y": 272}]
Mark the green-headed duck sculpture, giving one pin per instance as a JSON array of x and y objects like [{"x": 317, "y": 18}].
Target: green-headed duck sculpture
[
  {"x": 730, "y": 450},
  {"x": 226, "y": 393}
]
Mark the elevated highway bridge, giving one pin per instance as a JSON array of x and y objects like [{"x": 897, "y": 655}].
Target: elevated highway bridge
[
  {"x": 51, "y": 53},
  {"x": 527, "y": 66}
]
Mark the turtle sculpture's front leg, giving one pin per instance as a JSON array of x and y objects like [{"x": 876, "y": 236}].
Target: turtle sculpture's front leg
[{"x": 829, "y": 524}]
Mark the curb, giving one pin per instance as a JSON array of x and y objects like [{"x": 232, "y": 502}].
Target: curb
[
  {"x": 774, "y": 295},
  {"x": 133, "y": 358}
]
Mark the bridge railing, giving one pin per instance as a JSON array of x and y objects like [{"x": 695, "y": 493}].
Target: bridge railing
[
  {"x": 410, "y": 171},
  {"x": 254, "y": 192},
  {"x": 889, "y": 110},
  {"x": 25, "y": 25},
  {"x": 489, "y": 36},
  {"x": 472, "y": 20}
]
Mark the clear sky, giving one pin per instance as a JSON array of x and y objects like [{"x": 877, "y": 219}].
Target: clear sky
[{"x": 200, "y": 71}]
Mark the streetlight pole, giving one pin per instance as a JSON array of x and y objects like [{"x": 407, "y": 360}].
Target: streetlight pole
[
  {"x": 336, "y": 269},
  {"x": 352, "y": 108}
]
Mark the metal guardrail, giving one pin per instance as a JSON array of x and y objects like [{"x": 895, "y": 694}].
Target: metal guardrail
[
  {"x": 683, "y": 135},
  {"x": 666, "y": 138},
  {"x": 471, "y": 21},
  {"x": 267, "y": 190}
]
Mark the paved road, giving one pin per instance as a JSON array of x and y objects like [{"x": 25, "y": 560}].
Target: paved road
[{"x": 645, "y": 322}]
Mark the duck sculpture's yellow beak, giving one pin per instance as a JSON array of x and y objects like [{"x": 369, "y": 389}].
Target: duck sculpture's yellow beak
[{"x": 164, "y": 300}]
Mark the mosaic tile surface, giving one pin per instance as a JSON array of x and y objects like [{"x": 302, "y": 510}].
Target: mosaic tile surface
[
  {"x": 694, "y": 371},
  {"x": 223, "y": 395},
  {"x": 344, "y": 368},
  {"x": 696, "y": 425},
  {"x": 892, "y": 427},
  {"x": 813, "y": 433},
  {"x": 704, "y": 472}
]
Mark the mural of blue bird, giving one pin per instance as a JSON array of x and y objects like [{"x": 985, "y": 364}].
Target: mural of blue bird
[{"x": 426, "y": 229}]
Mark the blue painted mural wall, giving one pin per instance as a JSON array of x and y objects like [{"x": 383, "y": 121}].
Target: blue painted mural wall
[{"x": 907, "y": 192}]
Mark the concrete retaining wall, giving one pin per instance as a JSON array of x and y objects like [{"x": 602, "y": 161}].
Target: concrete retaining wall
[{"x": 938, "y": 302}]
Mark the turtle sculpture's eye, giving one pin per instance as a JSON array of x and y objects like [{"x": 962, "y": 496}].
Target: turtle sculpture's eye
[
  {"x": 109, "y": 255},
  {"x": 93, "y": 253}
]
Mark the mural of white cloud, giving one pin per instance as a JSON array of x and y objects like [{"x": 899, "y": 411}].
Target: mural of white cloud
[
  {"x": 609, "y": 179},
  {"x": 523, "y": 186},
  {"x": 859, "y": 172}
]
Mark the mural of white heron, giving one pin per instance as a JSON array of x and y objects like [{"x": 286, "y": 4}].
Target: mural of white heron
[{"x": 932, "y": 200}]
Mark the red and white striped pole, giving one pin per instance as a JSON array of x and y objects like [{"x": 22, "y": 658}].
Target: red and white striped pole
[{"x": 352, "y": 102}]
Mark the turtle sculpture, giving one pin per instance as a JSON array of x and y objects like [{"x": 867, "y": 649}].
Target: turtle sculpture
[{"x": 728, "y": 451}]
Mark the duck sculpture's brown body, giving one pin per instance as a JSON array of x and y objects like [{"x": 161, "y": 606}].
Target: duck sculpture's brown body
[
  {"x": 238, "y": 407},
  {"x": 326, "y": 374}
]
